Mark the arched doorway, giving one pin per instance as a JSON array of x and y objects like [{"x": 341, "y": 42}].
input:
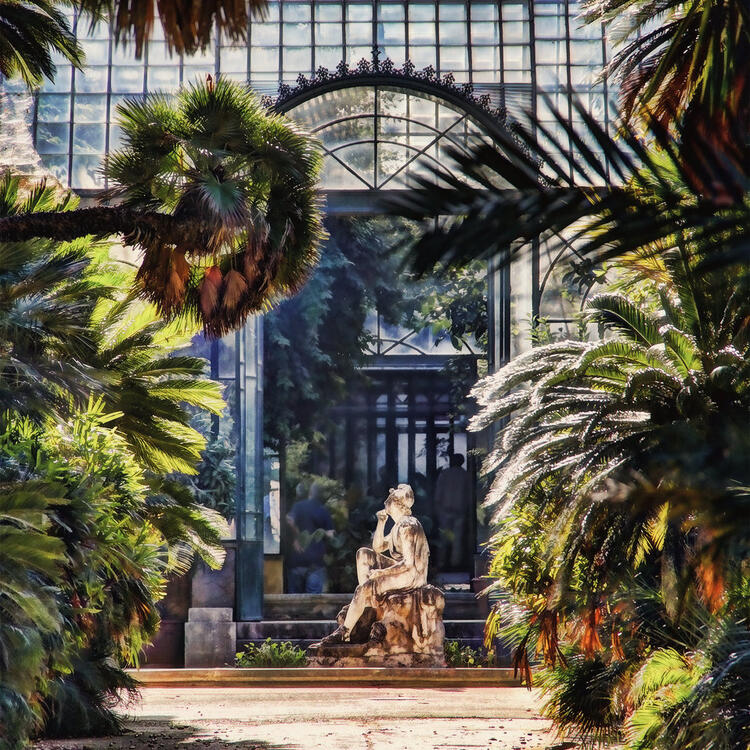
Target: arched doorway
[{"x": 380, "y": 128}]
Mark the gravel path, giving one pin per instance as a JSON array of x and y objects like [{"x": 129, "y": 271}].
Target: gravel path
[{"x": 333, "y": 718}]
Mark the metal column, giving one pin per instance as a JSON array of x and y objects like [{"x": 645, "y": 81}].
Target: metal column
[{"x": 249, "y": 512}]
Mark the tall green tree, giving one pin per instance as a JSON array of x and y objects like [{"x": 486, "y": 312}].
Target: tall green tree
[
  {"x": 91, "y": 522},
  {"x": 219, "y": 197},
  {"x": 619, "y": 499}
]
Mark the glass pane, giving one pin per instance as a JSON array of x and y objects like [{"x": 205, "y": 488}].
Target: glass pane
[
  {"x": 299, "y": 12},
  {"x": 127, "y": 79},
  {"x": 88, "y": 139},
  {"x": 296, "y": 33},
  {"x": 327, "y": 33},
  {"x": 86, "y": 174},
  {"x": 297, "y": 60},
  {"x": 94, "y": 79},
  {"x": 90, "y": 108},
  {"x": 162, "y": 78},
  {"x": 52, "y": 138},
  {"x": 264, "y": 34},
  {"x": 264, "y": 59},
  {"x": 53, "y": 108},
  {"x": 233, "y": 59},
  {"x": 328, "y": 12},
  {"x": 452, "y": 33},
  {"x": 58, "y": 165},
  {"x": 97, "y": 52},
  {"x": 358, "y": 33},
  {"x": 391, "y": 33},
  {"x": 421, "y": 33}
]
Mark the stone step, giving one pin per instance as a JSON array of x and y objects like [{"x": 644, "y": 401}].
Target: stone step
[
  {"x": 312, "y": 630},
  {"x": 459, "y": 605}
]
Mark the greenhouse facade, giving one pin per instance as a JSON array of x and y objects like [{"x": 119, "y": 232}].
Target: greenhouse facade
[{"x": 386, "y": 86}]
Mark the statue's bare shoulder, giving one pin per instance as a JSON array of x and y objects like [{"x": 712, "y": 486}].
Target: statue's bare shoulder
[{"x": 409, "y": 524}]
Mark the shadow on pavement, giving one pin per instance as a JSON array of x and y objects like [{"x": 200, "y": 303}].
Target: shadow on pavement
[{"x": 161, "y": 734}]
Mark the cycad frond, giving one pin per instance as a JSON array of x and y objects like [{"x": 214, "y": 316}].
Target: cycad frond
[{"x": 30, "y": 33}]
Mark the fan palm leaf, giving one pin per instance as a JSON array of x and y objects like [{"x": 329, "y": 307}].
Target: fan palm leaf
[
  {"x": 220, "y": 197},
  {"x": 150, "y": 392}
]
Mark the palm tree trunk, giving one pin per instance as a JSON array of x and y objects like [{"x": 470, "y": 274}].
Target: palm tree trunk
[{"x": 99, "y": 221}]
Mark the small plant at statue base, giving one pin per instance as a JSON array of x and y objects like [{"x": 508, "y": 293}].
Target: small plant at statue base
[
  {"x": 270, "y": 654},
  {"x": 466, "y": 656}
]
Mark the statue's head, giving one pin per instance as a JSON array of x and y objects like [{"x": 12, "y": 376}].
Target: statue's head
[{"x": 403, "y": 497}]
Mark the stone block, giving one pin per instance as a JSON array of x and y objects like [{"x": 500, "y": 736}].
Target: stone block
[
  {"x": 404, "y": 629},
  {"x": 210, "y": 614},
  {"x": 210, "y": 637},
  {"x": 214, "y": 588}
]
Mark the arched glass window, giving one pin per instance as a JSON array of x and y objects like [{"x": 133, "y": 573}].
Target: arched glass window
[{"x": 382, "y": 136}]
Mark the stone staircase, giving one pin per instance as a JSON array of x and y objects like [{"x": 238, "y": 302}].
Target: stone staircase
[{"x": 305, "y": 618}]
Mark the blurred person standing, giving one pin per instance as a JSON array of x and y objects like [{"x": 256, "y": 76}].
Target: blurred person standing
[
  {"x": 307, "y": 572},
  {"x": 452, "y": 501}
]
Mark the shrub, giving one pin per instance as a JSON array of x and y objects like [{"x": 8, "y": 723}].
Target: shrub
[
  {"x": 271, "y": 654},
  {"x": 466, "y": 656}
]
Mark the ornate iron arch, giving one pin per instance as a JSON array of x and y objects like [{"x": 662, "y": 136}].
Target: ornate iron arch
[{"x": 494, "y": 120}]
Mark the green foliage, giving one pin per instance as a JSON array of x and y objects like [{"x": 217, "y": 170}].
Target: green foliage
[
  {"x": 615, "y": 476},
  {"x": 457, "y": 656},
  {"x": 31, "y": 32},
  {"x": 585, "y": 697},
  {"x": 634, "y": 194},
  {"x": 90, "y": 524},
  {"x": 216, "y": 480},
  {"x": 686, "y": 61},
  {"x": 152, "y": 390},
  {"x": 226, "y": 196},
  {"x": 31, "y": 565},
  {"x": 271, "y": 654},
  {"x": 316, "y": 342},
  {"x": 453, "y": 305},
  {"x": 46, "y": 298}
]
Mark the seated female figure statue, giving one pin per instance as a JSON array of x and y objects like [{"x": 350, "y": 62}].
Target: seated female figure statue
[{"x": 403, "y": 568}]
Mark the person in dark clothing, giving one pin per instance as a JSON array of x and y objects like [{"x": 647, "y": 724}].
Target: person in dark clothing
[
  {"x": 452, "y": 500},
  {"x": 306, "y": 565}
]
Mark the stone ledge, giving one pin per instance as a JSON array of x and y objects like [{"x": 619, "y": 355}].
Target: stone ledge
[{"x": 328, "y": 676}]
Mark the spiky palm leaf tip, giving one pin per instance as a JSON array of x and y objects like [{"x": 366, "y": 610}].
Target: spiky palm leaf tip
[
  {"x": 30, "y": 33},
  {"x": 673, "y": 57},
  {"x": 237, "y": 186},
  {"x": 629, "y": 193}
]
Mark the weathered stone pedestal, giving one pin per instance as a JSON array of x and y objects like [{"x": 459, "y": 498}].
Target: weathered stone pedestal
[
  {"x": 210, "y": 637},
  {"x": 404, "y": 629}
]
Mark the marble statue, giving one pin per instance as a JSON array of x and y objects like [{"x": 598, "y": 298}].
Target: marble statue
[{"x": 395, "y": 617}]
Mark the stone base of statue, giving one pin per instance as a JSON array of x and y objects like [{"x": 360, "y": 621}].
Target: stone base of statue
[{"x": 404, "y": 629}]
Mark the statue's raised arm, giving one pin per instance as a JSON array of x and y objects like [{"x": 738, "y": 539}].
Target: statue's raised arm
[{"x": 395, "y": 566}]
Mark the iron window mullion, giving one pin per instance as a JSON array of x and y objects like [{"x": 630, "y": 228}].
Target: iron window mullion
[
  {"x": 73, "y": 74},
  {"x": 569, "y": 79},
  {"x": 108, "y": 115}
]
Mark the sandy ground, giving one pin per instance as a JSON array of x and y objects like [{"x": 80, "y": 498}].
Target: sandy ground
[{"x": 330, "y": 719}]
